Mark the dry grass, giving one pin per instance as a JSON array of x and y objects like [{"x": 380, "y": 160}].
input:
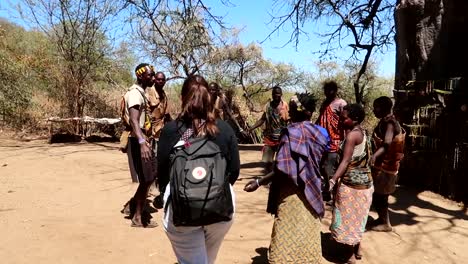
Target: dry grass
[{"x": 106, "y": 103}]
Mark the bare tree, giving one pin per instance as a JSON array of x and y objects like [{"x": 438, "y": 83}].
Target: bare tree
[
  {"x": 79, "y": 30},
  {"x": 178, "y": 34},
  {"x": 245, "y": 66},
  {"x": 367, "y": 24}
]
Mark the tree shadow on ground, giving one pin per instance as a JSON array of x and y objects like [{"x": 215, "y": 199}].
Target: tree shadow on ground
[
  {"x": 105, "y": 146},
  {"x": 250, "y": 147},
  {"x": 64, "y": 138},
  {"x": 262, "y": 257},
  {"x": 333, "y": 251},
  {"x": 406, "y": 198},
  {"x": 71, "y": 138},
  {"x": 95, "y": 138},
  {"x": 252, "y": 165}
]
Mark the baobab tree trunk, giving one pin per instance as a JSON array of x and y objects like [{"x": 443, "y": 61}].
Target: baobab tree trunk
[
  {"x": 418, "y": 24},
  {"x": 430, "y": 93}
]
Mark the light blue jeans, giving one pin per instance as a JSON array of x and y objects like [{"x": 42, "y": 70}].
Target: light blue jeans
[{"x": 195, "y": 244}]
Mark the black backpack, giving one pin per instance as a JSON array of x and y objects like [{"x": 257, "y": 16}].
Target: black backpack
[{"x": 200, "y": 191}]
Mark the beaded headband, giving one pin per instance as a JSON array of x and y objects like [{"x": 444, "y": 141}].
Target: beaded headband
[{"x": 142, "y": 69}]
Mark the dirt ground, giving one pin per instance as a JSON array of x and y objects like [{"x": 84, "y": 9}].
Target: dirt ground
[{"x": 61, "y": 203}]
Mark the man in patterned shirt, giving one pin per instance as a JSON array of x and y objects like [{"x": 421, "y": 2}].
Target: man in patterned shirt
[{"x": 275, "y": 117}]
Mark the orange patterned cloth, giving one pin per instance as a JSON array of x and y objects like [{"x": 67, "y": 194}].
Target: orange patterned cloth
[
  {"x": 385, "y": 169},
  {"x": 329, "y": 119},
  {"x": 390, "y": 162}
]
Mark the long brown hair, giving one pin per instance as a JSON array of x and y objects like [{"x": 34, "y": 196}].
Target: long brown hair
[{"x": 197, "y": 107}]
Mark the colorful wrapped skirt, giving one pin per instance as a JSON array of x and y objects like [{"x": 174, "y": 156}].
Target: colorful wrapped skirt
[{"x": 350, "y": 214}]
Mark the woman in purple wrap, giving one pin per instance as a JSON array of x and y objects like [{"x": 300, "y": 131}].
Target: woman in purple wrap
[{"x": 295, "y": 193}]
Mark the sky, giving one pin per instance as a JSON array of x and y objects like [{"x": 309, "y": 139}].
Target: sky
[{"x": 253, "y": 17}]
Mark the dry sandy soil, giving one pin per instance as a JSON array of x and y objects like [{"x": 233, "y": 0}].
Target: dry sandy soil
[{"x": 61, "y": 203}]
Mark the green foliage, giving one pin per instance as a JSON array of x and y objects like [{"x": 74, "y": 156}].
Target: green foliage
[
  {"x": 33, "y": 79},
  {"x": 78, "y": 31},
  {"x": 19, "y": 75},
  {"x": 243, "y": 67},
  {"x": 173, "y": 89},
  {"x": 374, "y": 86},
  {"x": 73, "y": 61}
]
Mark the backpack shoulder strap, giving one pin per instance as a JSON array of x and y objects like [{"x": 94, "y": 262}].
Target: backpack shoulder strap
[
  {"x": 145, "y": 100},
  {"x": 123, "y": 112}
]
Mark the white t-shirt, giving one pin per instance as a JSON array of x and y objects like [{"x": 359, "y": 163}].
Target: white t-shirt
[{"x": 133, "y": 97}]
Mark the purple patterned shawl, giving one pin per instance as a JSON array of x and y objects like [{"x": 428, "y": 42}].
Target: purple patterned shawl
[{"x": 301, "y": 148}]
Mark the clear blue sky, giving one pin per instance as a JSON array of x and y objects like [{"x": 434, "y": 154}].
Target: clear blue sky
[{"x": 253, "y": 17}]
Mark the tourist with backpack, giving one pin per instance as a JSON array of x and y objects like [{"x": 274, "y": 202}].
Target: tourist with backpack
[{"x": 198, "y": 162}]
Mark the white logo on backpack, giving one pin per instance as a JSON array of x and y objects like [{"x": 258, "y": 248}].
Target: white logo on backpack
[{"x": 199, "y": 173}]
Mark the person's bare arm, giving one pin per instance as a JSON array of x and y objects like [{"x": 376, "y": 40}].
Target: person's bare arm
[
  {"x": 258, "y": 123},
  {"x": 134, "y": 113},
  {"x": 389, "y": 134},
  {"x": 351, "y": 140},
  {"x": 253, "y": 185}
]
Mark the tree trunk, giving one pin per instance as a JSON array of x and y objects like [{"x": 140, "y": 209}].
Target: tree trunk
[{"x": 430, "y": 90}]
